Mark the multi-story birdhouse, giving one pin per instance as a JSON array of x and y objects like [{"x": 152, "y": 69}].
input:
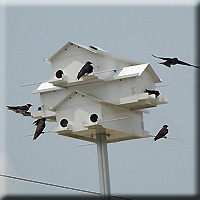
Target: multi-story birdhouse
[{"x": 110, "y": 99}]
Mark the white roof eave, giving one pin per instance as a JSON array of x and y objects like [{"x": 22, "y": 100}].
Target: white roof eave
[
  {"x": 64, "y": 47},
  {"x": 98, "y": 51},
  {"x": 46, "y": 87}
]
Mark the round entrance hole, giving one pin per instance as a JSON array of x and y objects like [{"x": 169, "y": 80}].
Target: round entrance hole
[
  {"x": 59, "y": 74},
  {"x": 63, "y": 122},
  {"x": 93, "y": 117}
]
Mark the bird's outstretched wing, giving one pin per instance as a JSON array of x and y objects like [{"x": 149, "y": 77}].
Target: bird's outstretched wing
[
  {"x": 184, "y": 63},
  {"x": 161, "y": 57},
  {"x": 18, "y": 109},
  {"x": 40, "y": 127},
  {"x": 36, "y": 122}
]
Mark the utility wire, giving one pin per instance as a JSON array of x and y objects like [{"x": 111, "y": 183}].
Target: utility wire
[{"x": 59, "y": 186}]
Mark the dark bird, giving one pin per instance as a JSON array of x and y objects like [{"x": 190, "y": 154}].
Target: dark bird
[
  {"x": 86, "y": 69},
  {"x": 21, "y": 109},
  {"x": 162, "y": 133},
  {"x": 174, "y": 61},
  {"x": 156, "y": 92},
  {"x": 40, "y": 123}
]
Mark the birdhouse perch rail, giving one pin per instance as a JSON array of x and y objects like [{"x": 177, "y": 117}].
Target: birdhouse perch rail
[
  {"x": 110, "y": 120},
  {"x": 105, "y": 71},
  {"x": 171, "y": 138}
]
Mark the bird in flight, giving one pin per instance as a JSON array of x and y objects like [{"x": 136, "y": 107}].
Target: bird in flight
[
  {"x": 40, "y": 123},
  {"x": 86, "y": 69},
  {"x": 21, "y": 109},
  {"x": 162, "y": 133},
  {"x": 156, "y": 92},
  {"x": 174, "y": 61}
]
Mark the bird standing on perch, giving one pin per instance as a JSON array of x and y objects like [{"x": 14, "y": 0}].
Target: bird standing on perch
[
  {"x": 162, "y": 133},
  {"x": 156, "y": 92},
  {"x": 86, "y": 69}
]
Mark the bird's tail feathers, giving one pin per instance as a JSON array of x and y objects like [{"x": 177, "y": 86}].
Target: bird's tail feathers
[
  {"x": 11, "y": 107},
  {"x": 164, "y": 63}
]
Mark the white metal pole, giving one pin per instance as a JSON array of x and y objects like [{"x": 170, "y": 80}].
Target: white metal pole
[{"x": 104, "y": 178}]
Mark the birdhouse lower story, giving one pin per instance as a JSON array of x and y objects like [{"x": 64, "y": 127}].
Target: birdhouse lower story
[
  {"x": 83, "y": 113},
  {"x": 83, "y": 117}
]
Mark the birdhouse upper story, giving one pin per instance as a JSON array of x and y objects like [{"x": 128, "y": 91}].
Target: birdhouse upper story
[
  {"x": 113, "y": 92},
  {"x": 126, "y": 78},
  {"x": 71, "y": 57}
]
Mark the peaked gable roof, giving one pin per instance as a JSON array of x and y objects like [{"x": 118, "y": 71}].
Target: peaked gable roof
[
  {"x": 92, "y": 49},
  {"x": 138, "y": 70},
  {"x": 70, "y": 95}
]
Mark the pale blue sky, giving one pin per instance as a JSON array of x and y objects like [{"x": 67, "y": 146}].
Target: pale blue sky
[{"x": 137, "y": 167}]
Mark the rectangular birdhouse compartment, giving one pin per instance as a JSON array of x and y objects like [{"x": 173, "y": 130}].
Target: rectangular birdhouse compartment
[{"x": 87, "y": 117}]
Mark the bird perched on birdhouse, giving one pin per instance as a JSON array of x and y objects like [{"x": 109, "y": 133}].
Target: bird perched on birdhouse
[
  {"x": 86, "y": 69},
  {"x": 156, "y": 92}
]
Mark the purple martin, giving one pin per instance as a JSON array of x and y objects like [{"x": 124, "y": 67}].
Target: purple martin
[
  {"x": 174, "y": 61},
  {"x": 162, "y": 133},
  {"x": 86, "y": 69},
  {"x": 156, "y": 92},
  {"x": 40, "y": 123},
  {"x": 21, "y": 109}
]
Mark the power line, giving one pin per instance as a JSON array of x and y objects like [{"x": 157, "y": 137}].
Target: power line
[{"x": 59, "y": 186}]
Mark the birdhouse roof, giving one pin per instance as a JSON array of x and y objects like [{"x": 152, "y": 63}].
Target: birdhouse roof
[
  {"x": 93, "y": 49},
  {"x": 138, "y": 70},
  {"x": 70, "y": 95},
  {"x": 46, "y": 87}
]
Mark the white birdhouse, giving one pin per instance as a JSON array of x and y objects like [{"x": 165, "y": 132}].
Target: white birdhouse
[{"x": 111, "y": 99}]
